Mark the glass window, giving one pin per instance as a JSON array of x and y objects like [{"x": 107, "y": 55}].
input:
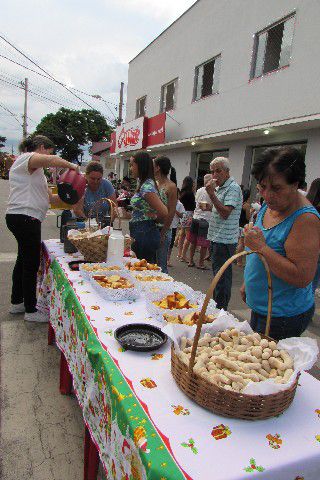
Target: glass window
[
  {"x": 207, "y": 78},
  {"x": 141, "y": 107},
  {"x": 273, "y": 47},
  {"x": 168, "y": 96}
]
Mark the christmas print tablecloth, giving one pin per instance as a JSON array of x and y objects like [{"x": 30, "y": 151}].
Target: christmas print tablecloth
[{"x": 143, "y": 425}]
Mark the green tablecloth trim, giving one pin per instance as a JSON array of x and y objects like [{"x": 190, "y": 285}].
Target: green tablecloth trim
[{"x": 125, "y": 408}]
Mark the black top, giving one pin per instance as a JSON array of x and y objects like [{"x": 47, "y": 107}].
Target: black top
[{"x": 188, "y": 200}]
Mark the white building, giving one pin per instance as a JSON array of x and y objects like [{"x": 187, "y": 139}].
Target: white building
[{"x": 227, "y": 72}]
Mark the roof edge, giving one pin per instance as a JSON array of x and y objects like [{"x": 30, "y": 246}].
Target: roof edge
[{"x": 171, "y": 24}]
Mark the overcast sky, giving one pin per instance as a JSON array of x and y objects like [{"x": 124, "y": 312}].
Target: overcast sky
[{"x": 86, "y": 45}]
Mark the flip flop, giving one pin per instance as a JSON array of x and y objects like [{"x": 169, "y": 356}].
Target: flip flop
[
  {"x": 191, "y": 264},
  {"x": 202, "y": 267}
]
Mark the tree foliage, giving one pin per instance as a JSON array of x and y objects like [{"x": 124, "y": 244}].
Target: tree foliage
[
  {"x": 72, "y": 129},
  {"x": 2, "y": 141}
]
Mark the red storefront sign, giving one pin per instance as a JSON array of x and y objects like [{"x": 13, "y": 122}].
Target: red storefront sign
[
  {"x": 113, "y": 142},
  {"x": 140, "y": 133},
  {"x": 131, "y": 135},
  {"x": 156, "y": 130}
]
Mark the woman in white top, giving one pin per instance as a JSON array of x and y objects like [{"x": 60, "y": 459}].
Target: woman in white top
[
  {"x": 28, "y": 204},
  {"x": 197, "y": 235}
]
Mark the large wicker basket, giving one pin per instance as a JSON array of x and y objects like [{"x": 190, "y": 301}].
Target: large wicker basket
[
  {"x": 95, "y": 249},
  {"x": 217, "y": 399}
]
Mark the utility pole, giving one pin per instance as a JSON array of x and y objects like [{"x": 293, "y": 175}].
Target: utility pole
[
  {"x": 25, "y": 125},
  {"x": 120, "y": 104}
]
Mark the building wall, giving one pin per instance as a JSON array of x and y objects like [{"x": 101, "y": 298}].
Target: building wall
[{"x": 227, "y": 26}]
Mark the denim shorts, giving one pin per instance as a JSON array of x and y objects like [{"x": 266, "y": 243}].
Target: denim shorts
[
  {"x": 283, "y": 327},
  {"x": 146, "y": 237}
]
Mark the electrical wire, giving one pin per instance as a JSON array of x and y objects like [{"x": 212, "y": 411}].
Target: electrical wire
[
  {"x": 51, "y": 76},
  {"x": 11, "y": 113},
  {"x": 44, "y": 98},
  {"x": 48, "y": 78}
]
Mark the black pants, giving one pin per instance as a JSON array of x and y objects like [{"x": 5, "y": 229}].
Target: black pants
[
  {"x": 282, "y": 327},
  {"x": 27, "y": 231},
  {"x": 220, "y": 253}
]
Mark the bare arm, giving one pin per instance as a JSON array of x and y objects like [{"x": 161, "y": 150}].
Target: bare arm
[
  {"x": 157, "y": 205},
  {"x": 78, "y": 209},
  {"x": 223, "y": 210},
  {"x": 38, "y": 160},
  {"x": 302, "y": 251},
  {"x": 172, "y": 203}
]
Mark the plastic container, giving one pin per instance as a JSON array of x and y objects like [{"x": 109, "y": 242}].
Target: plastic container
[{"x": 115, "y": 246}]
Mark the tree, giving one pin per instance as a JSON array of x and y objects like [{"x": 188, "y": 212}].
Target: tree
[
  {"x": 2, "y": 141},
  {"x": 72, "y": 129}
]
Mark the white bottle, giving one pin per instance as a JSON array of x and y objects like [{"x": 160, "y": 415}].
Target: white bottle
[{"x": 115, "y": 246}]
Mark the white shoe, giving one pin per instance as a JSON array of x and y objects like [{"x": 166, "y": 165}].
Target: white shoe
[
  {"x": 17, "y": 308},
  {"x": 36, "y": 317}
]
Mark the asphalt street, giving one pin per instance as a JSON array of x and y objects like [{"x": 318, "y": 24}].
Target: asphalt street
[{"x": 41, "y": 430}]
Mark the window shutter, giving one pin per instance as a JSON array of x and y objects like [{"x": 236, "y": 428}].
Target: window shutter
[
  {"x": 286, "y": 46},
  {"x": 262, "y": 42},
  {"x": 216, "y": 74}
]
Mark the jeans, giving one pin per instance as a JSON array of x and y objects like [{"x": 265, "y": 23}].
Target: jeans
[
  {"x": 162, "y": 252},
  {"x": 27, "y": 231},
  {"x": 220, "y": 253},
  {"x": 146, "y": 237},
  {"x": 282, "y": 327}
]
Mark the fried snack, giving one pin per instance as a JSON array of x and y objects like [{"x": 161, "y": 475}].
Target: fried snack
[
  {"x": 189, "y": 319},
  {"x": 232, "y": 359},
  {"x": 174, "y": 301},
  {"x": 152, "y": 278},
  {"x": 97, "y": 267},
  {"x": 114, "y": 281},
  {"x": 141, "y": 266}
]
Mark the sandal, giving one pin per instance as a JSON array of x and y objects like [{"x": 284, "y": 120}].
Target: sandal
[
  {"x": 202, "y": 267},
  {"x": 191, "y": 264}
]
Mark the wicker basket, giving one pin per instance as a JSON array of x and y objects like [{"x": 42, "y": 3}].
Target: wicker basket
[
  {"x": 217, "y": 399},
  {"x": 95, "y": 249}
]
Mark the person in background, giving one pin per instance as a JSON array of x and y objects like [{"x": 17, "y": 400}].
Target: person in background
[
  {"x": 314, "y": 198},
  {"x": 174, "y": 225},
  {"x": 28, "y": 204},
  {"x": 168, "y": 194},
  {"x": 303, "y": 188},
  {"x": 97, "y": 188},
  {"x": 223, "y": 231},
  {"x": 245, "y": 210},
  {"x": 287, "y": 234},
  {"x": 197, "y": 236},
  {"x": 147, "y": 209},
  {"x": 187, "y": 199}
]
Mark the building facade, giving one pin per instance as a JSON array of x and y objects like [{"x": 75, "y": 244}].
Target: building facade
[{"x": 233, "y": 76}]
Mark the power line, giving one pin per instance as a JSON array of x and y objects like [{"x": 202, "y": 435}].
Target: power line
[
  {"x": 11, "y": 113},
  {"x": 49, "y": 74},
  {"x": 48, "y": 78},
  {"x": 32, "y": 93}
]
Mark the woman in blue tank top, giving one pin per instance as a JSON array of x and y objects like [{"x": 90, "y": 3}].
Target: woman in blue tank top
[{"x": 287, "y": 233}]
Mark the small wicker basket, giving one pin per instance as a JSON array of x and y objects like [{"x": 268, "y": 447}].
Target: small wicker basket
[
  {"x": 217, "y": 399},
  {"x": 95, "y": 249}
]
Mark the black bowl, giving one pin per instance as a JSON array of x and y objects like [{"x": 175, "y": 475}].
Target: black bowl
[
  {"x": 74, "y": 265},
  {"x": 140, "y": 337}
]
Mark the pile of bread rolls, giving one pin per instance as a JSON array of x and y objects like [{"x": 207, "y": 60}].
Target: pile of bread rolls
[{"x": 232, "y": 359}]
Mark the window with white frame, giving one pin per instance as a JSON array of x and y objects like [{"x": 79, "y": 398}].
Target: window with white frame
[
  {"x": 272, "y": 47},
  {"x": 207, "y": 78},
  {"x": 141, "y": 107},
  {"x": 168, "y": 96}
]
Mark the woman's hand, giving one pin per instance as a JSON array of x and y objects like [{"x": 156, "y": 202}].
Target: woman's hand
[
  {"x": 253, "y": 238},
  {"x": 243, "y": 292}
]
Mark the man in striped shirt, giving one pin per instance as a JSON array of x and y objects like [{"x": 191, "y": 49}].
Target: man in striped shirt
[{"x": 223, "y": 231}]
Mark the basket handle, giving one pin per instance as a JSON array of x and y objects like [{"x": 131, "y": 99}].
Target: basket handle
[
  {"x": 113, "y": 209},
  {"x": 209, "y": 297}
]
